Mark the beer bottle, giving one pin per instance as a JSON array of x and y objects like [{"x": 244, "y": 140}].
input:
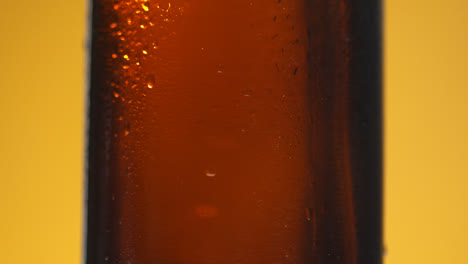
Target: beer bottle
[{"x": 234, "y": 132}]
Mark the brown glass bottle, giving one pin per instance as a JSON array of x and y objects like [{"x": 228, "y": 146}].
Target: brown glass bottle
[{"x": 234, "y": 132}]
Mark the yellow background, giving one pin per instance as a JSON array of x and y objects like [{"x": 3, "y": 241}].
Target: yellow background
[{"x": 41, "y": 135}]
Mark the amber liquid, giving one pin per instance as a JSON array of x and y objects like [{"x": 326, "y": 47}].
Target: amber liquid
[{"x": 236, "y": 131}]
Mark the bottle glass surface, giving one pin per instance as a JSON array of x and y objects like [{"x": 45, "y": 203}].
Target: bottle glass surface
[{"x": 234, "y": 132}]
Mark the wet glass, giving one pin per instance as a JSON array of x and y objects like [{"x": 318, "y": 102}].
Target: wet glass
[{"x": 234, "y": 132}]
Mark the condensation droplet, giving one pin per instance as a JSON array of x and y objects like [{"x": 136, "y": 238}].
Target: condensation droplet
[
  {"x": 247, "y": 92},
  {"x": 144, "y": 52},
  {"x": 151, "y": 81},
  {"x": 113, "y": 25},
  {"x": 210, "y": 173},
  {"x": 220, "y": 69},
  {"x": 308, "y": 214},
  {"x": 116, "y": 95},
  {"x": 126, "y": 132},
  {"x": 126, "y": 57},
  {"x": 384, "y": 252},
  {"x": 145, "y": 7},
  {"x": 114, "y": 56},
  {"x": 295, "y": 71}
]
